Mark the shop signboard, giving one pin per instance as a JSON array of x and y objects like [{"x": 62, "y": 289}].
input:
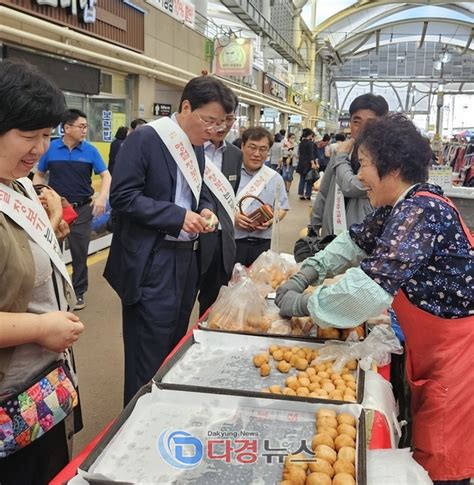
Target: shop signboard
[
  {"x": 83, "y": 9},
  {"x": 160, "y": 109},
  {"x": 274, "y": 88},
  {"x": 106, "y": 125},
  {"x": 271, "y": 113},
  {"x": 235, "y": 58},
  {"x": 296, "y": 119},
  {"x": 178, "y": 9}
]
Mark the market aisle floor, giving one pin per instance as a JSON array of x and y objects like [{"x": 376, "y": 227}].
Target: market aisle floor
[{"x": 99, "y": 352}]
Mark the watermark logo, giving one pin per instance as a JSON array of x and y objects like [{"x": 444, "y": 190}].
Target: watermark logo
[{"x": 180, "y": 449}]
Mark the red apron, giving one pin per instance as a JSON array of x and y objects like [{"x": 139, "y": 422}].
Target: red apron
[{"x": 440, "y": 372}]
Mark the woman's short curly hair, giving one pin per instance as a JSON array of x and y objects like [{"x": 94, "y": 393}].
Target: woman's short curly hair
[{"x": 394, "y": 143}]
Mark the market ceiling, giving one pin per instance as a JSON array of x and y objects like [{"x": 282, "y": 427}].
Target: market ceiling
[{"x": 368, "y": 25}]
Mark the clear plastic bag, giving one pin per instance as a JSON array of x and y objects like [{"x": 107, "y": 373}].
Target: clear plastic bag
[
  {"x": 239, "y": 308},
  {"x": 271, "y": 269},
  {"x": 376, "y": 348}
]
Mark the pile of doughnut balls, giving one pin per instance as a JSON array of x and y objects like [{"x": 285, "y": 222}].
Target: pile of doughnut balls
[
  {"x": 333, "y": 462},
  {"x": 312, "y": 380}
]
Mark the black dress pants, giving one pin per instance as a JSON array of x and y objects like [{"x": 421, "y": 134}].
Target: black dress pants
[
  {"x": 79, "y": 239},
  {"x": 250, "y": 248},
  {"x": 213, "y": 279},
  {"x": 156, "y": 323}
]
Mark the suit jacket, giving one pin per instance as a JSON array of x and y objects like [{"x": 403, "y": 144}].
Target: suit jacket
[
  {"x": 231, "y": 167},
  {"x": 142, "y": 196}
]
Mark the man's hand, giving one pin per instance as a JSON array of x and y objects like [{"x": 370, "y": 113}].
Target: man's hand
[
  {"x": 193, "y": 223},
  {"x": 294, "y": 304},
  {"x": 243, "y": 222},
  {"x": 58, "y": 330},
  {"x": 211, "y": 220},
  {"x": 297, "y": 283},
  {"x": 98, "y": 206},
  {"x": 265, "y": 225},
  {"x": 346, "y": 146}
]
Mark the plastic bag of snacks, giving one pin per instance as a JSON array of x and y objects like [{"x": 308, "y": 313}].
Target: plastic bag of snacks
[
  {"x": 376, "y": 348},
  {"x": 271, "y": 269},
  {"x": 239, "y": 308}
]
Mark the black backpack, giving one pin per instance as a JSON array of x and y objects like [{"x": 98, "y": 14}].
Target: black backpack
[{"x": 310, "y": 245}]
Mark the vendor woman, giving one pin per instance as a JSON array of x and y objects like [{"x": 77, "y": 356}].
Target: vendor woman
[{"x": 415, "y": 253}]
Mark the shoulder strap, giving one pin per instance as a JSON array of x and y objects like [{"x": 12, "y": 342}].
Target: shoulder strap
[{"x": 467, "y": 232}]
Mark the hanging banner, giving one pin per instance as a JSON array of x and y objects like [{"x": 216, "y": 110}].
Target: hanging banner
[{"x": 234, "y": 58}]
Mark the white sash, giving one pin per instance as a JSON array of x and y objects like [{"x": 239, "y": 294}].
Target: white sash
[
  {"x": 256, "y": 185},
  {"x": 220, "y": 187},
  {"x": 339, "y": 212},
  {"x": 182, "y": 151},
  {"x": 30, "y": 215}
]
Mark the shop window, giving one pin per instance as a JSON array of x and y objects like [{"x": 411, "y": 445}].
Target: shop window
[{"x": 105, "y": 83}]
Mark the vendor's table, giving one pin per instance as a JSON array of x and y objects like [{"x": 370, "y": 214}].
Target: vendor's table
[{"x": 381, "y": 436}]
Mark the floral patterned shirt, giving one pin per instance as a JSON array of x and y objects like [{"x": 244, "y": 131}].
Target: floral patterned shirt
[{"x": 419, "y": 246}]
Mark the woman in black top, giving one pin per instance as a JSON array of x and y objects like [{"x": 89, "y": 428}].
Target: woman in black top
[{"x": 306, "y": 163}]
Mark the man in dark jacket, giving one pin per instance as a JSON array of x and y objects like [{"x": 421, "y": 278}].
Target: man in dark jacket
[
  {"x": 306, "y": 161},
  {"x": 161, "y": 207}
]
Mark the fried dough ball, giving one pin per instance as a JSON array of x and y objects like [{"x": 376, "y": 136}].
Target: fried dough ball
[
  {"x": 339, "y": 381},
  {"x": 327, "y": 421},
  {"x": 313, "y": 386},
  {"x": 288, "y": 355},
  {"x": 301, "y": 374},
  {"x": 332, "y": 432},
  {"x": 304, "y": 381},
  {"x": 283, "y": 366},
  {"x": 293, "y": 383},
  {"x": 302, "y": 391},
  {"x": 321, "y": 466},
  {"x": 275, "y": 389},
  {"x": 322, "y": 439},
  {"x": 329, "y": 333},
  {"x": 343, "y": 479},
  {"x": 294, "y": 474},
  {"x": 348, "y": 430},
  {"x": 336, "y": 395},
  {"x": 301, "y": 353},
  {"x": 273, "y": 348},
  {"x": 260, "y": 359},
  {"x": 349, "y": 398},
  {"x": 343, "y": 440},
  {"x": 323, "y": 374},
  {"x": 314, "y": 395},
  {"x": 328, "y": 386},
  {"x": 330, "y": 413},
  {"x": 351, "y": 365},
  {"x": 311, "y": 371},
  {"x": 301, "y": 364},
  {"x": 289, "y": 392},
  {"x": 265, "y": 370},
  {"x": 278, "y": 355},
  {"x": 315, "y": 378},
  {"x": 347, "y": 453},
  {"x": 345, "y": 418},
  {"x": 342, "y": 466},
  {"x": 326, "y": 453},
  {"x": 293, "y": 360},
  {"x": 318, "y": 479},
  {"x": 348, "y": 377},
  {"x": 298, "y": 460}
]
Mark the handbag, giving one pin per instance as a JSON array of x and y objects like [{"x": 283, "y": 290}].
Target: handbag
[
  {"x": 69, "y": 214},
  {"x": 312, "y": 176},
  {"x": 43, "y": 403},
  {"x": 259, "y": 216},
  {"x": 310, "y": 245}
]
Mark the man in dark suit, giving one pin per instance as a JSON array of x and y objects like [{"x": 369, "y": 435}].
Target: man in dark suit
[
  {"x": 218, "y": 248},
  {"x": 161, "y": 207}
]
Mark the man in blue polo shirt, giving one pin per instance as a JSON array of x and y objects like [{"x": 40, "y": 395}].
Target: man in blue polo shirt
[{"x": 70, "y": 162}]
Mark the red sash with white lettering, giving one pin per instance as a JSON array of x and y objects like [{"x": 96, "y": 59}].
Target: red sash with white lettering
[
  {"x": 30, "y": 215},
  {"x": 255, "y": 186},
  {"x": 220, "y": 187},
  {"x": 182, "y": 151}
]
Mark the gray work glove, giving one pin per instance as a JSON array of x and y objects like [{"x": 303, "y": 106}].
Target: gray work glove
[
  {"x": 298, "y": 282},
  {"x": 294, "y": 304}
]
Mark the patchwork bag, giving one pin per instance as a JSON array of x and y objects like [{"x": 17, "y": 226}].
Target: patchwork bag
[{"x": 28, "y": 415}]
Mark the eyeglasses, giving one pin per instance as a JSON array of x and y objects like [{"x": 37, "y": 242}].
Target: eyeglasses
[
  {"x": 81, "y": 127},
  {"x": 255, "y": 148},
  {"x": 211, "y": 125}
]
